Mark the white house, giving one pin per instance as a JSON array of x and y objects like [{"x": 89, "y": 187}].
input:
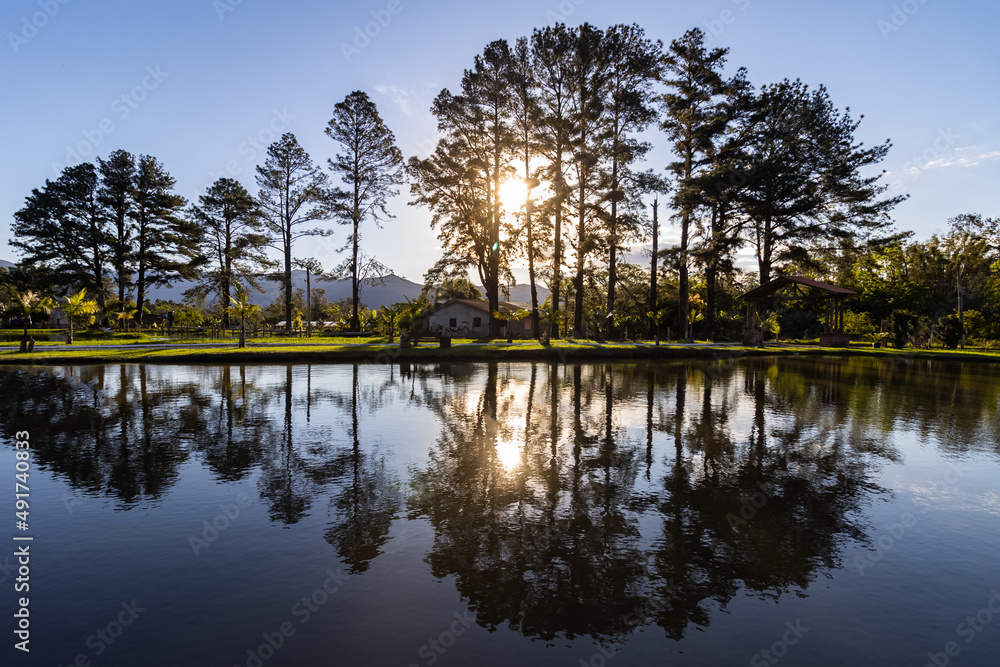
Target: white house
[{"x": 471, "y": 318}]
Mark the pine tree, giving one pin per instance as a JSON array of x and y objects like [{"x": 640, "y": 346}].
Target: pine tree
[
  {"x": 460, "y": 182},
  {"x": 720, "y": 188},
  {"x": 232, "y": 230},
  {"x": 526, "y": 118},
  {"x": 804, "y": 176},
  {"x": 552, "y": 49},
  {"x": 691, "y": 121},
  {"x": 167, "y": 243},
  {"x": 65, "y": 226},
  {"x": 587, "y": 87},
  {"x": 293, "y": 194},
  {"x": 371, "y": 166},
  {"x": 632, "y": 63},
  {"x": 117, "y": 177}
]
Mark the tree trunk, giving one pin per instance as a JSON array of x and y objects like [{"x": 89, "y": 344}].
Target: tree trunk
[
  {"x": 764, "y": 257},
  {"x": 227, "y": 273},
  {"x": 613, "y": 236},
  {"x": 557, "y": 244},
  {"x": 140, "y": 294},
  {"x": 682, "y": 280},
  {"x": 355, "y": 319},
  {"x": 288, "y": 281},
  {"x": 580, "y": 258},
  {"x": 711, "y": 274},
  {"x": 682, "y": 260},
  {"x": 653, "y": 326},
  {"x": 531, "y": 270}
]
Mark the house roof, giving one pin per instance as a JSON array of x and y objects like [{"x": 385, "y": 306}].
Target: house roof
[{"x": 784, "y": 281}]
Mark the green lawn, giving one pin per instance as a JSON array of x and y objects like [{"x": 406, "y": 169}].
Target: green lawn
[{"x": 132, "y": 338}]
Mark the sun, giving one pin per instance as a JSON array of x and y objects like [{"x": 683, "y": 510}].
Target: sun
[{"x": 513, "y": 192}]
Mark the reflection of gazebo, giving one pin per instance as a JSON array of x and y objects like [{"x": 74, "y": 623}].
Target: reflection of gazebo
[{"x": 834, "y": 335}]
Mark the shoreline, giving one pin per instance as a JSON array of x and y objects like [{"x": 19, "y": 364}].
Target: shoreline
[{"x": 558, "y": 352}]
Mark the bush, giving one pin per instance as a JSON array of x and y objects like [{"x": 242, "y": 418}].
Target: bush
[
  {"x": 975, "y": 324},
  {"x": 858, "y": 323},
  {"x": 950, "y": 329},
  {"x": 188, "y": 318},
  {"x": 902, "y": 325}
]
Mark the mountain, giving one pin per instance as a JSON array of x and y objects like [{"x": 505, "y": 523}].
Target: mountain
[
  {"x": 4, "y": 264},
  {"x": 395, "y": 290}
]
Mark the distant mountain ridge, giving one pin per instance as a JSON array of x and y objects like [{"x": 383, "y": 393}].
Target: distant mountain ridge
[{"x": 395, "y": 290}]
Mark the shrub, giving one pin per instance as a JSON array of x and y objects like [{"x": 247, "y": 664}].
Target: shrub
[
  {"x": 950, "y": 330},
  {"x": 902, "y": 325},
  {"x": 858, "y": 323}
]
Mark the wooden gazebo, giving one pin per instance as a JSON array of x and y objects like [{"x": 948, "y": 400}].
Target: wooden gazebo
[{"x": 834, "y": 335}]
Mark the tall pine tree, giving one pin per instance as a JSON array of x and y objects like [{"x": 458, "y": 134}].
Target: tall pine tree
[
  {"x": 691, "y": 120},
  {"x": 370, "y": 165},
  {"x": 233, "y": 239},
  {"x": 167, "y": 243},
  {"x": 293, "y": 194}
]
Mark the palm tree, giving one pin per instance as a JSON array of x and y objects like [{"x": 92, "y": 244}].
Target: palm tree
[
  {"x": 390, "y": 315},
  {"x": 125, "y": 315},
  {"x": 242, "y": 308},
  {"x": 77, "y": 309},
  {"x": 27, "y": 304},
  {"x": 507, "y": 315}
]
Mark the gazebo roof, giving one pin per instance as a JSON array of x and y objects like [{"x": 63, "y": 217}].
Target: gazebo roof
[{"x": 784, "y": 281}]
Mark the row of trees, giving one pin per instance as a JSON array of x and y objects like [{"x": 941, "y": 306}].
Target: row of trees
[
  {"x": 569, "y": 114},
  {"x": 569, "y": 111},
  {"x": 118, "y": 225}
]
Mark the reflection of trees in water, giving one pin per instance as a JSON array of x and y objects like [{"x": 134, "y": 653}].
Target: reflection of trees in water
[
  {"x": 565, "y": 500},
  {"x": 368, "y": 498},
  {"x": 99, "y": 427},
  {"x": 537, "y": 535},
  {"x": 553, "y": 542},
  {"x": 123, "y": 431}
]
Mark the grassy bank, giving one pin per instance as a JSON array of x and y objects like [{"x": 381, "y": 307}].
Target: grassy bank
[
  {"x": 58, "y": 338},
  {"x": 559, "y": 351}
]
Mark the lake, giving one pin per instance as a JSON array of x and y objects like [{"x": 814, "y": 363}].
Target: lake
[{"x": 792, "y": 510}]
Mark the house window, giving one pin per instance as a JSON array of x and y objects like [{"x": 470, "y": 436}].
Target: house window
[
  {"x": 477, "y": 322},
  {"x": 527, "y": 324},
  {"x": 452, "y": 322}
]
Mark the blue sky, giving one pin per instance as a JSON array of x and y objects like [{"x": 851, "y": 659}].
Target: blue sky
[{"x": 204, "y": 85}]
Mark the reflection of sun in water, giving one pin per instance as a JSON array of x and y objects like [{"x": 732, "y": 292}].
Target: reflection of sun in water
[
  {"x": 513, "y": 193},
  {"x": 509, "y": 454}
]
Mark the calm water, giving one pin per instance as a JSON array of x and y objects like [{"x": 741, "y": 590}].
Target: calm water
[{"x": 826, "y": 512}]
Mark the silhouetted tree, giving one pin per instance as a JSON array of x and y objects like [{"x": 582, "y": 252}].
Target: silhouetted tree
[
  {"x": 804, "y": 176},
  {"x": 692, "y": 119},
  {"x": 117, "y": 180},
  {"x": 64, "y": 226},
  {"x": 293, "y": 193},
  {"x": 167, "y": 243},
  {"x": 460, "y": 182},
  {"x": 232, "y": 229},
  {"x": 633, "y": 63},
  {"x": 370, "y": 165}
]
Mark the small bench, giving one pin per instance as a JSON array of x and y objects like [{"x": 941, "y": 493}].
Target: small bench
[{"x": 411, "y": 339}]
